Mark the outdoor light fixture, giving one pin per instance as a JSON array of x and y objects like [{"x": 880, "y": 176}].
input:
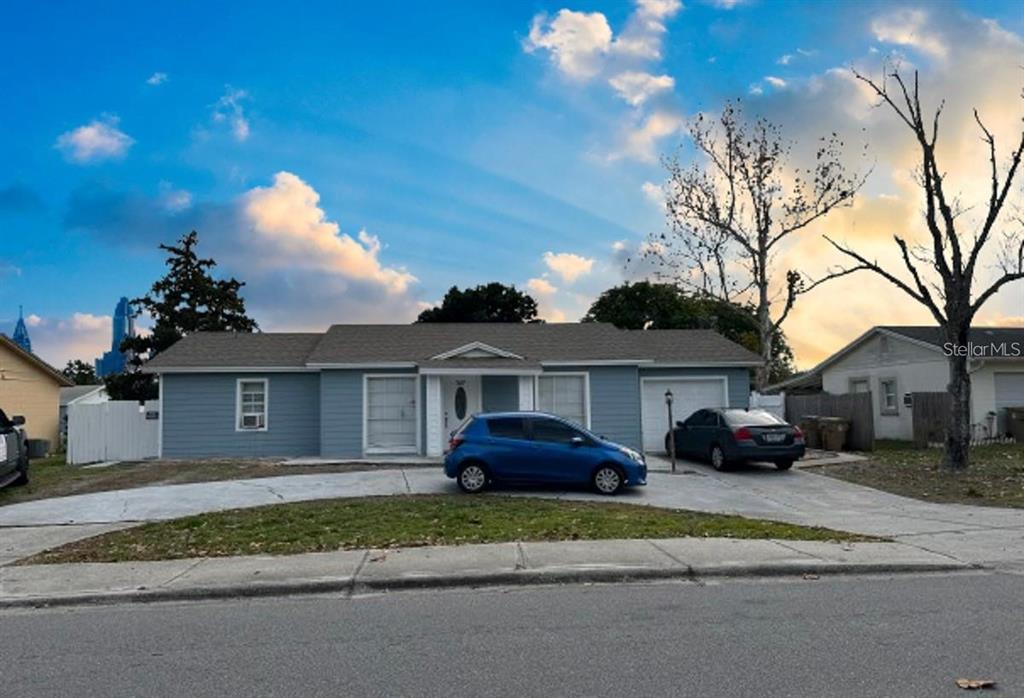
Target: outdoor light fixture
[{"x": 671, "y": 431}]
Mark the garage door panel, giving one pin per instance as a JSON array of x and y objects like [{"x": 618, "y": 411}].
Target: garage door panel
[{"x": 688, "y": 396}]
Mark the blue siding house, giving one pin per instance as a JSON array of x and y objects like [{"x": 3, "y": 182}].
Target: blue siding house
[{"x": 360, "y": 391}]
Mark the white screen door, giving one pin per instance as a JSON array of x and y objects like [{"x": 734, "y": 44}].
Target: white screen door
[{"x": 391, "y": 414}]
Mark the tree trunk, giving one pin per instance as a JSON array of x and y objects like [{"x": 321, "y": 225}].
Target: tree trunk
[{"x": 958, "y": 419}]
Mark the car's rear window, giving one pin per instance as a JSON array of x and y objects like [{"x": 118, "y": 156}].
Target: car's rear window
[
  {"x": 751, "y": 418},
  {"x": 507, "y": 427}
]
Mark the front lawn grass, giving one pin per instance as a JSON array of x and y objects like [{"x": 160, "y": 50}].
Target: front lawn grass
[
  {"x": 51, "y": 477},
  {"x": 995, "y": 476},
  {"x": 412, "y": 520}
]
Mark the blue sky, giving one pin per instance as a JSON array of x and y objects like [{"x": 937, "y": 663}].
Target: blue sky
[{"x": 465, "y": 148}]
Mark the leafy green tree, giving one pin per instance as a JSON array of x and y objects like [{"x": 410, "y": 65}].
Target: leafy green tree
[
  {"x": 80, "y": 373},
  {"x": 493, "y": 302},
  {"x": 660, "y": 306},
  {"x": 187, "y": 299}
]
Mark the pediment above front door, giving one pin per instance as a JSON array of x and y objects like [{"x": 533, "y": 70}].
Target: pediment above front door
[{"x": 476, "y": 350}]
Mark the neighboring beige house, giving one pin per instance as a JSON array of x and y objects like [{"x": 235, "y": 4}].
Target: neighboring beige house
[
  {"x": 30, "y": 387},
  {"x": 891, "y": 363}
]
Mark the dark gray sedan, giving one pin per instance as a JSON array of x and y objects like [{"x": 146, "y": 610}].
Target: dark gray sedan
[
  {"x": 728, "y": 436},
  {"x": 13, "y": 451}
]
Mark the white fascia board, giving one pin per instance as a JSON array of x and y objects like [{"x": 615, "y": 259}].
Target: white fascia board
[
  {"x": 480, "y": 372},
  {"x": 228, "y": 369},
  {"x": 365, "y": 364},
  {"x": 703, "y": 364},
  {"x": 599, "y": 362}
]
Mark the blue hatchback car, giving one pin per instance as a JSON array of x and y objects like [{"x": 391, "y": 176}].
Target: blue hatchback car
[{"x": 537, "y": 447}]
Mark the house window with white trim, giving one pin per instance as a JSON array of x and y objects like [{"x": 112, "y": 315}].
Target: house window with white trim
[
  {"x": 889, "y": 396},
  {"x": 563, "y": 395},
  {"x": 251, "y": 407}
]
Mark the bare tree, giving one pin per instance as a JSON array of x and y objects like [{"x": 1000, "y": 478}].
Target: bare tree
[
  {"x": 942, "y": 273},
  {"x": 730, "y": 210}
]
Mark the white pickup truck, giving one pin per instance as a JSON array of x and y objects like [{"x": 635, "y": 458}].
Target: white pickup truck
[{"x": 13, "y": 451}]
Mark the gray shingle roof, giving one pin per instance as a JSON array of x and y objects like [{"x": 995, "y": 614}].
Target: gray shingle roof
[
  {"x": 419, "y": 343},
  {"x": 76, "y": 391},
  {"x": 978, "y": 335},
  {"x": 237, "y": 350}
]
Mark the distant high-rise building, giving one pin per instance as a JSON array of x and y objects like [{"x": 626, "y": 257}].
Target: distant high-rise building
[
  {"x": 21, "y": 332},
  {"x": 114, "y": 360}
]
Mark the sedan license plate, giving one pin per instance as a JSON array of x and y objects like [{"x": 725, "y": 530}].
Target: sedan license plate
[{"x": 774, "y": 438}]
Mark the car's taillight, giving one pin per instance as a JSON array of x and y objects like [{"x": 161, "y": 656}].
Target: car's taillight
[
  {"x": 743, "y": 434},
  {"x": 797, "y": 434},
  {"x": 454, "y": 443}
]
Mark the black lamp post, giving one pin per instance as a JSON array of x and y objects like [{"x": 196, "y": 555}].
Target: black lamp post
[{"x": 671, "y": 431}]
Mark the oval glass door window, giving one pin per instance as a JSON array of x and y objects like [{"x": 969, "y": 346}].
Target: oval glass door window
[{"x": 460, "y": 403}]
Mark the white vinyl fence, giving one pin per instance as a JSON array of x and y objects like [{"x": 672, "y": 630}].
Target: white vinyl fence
[
  {"x": 776, "y": 404},
  {"x": 115, "y": 430}
]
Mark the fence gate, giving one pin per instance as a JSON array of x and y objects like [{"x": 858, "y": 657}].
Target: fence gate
[
  {"x": 776, "y": 404},
  {"x": 930, "y": 410},
  {"x": 115, "y": 430}
]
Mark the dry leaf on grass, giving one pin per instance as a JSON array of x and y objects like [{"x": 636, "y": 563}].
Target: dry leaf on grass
[{"x": 973, "y": 684}]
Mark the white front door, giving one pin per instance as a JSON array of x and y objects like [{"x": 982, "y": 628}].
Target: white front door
[
  {"x": 688, "y": 396},
  {"x": 460, "y": 398}
]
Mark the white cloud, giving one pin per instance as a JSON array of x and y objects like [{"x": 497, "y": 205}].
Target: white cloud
[
  {"x": 726, "y": 4},
  {"x": 229, "y": 110},
  {"x": 567, "y": 265},
  {"x": 910, "y": 27},
  {"x": 778, "y": 83},
  {"x": 541, "y": 287},
  {"x": 100, "y": 139},
  {"x": 785, "y": 59},
  {"x": 654, "y": 193},
  {"x": 756, "y": 89},
  {"x": 174, "y": 200},
  {"x": 576, "y": 41},
  {"x": 641, "y": 142},
  {"x": 637, "y": 87},
  {"x": 81, "y": 336},
  {"x": 33, "y": 320},
  {"x": 156, "y": 79},
  {"x": 292, "y": 230}
]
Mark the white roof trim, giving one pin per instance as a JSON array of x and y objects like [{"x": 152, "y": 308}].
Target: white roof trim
[
  {"x": 856, "y": 343},
  {"x": 228, "y": 369},
  {"x": 598, "y": 362},
  {"x": 478, "y": 346},
  {"x": 702, "y": 364},
  {"x": 479, "y": 372},
  {"x": 374, "y": 364},
  {"x": 92, "y": 392}
]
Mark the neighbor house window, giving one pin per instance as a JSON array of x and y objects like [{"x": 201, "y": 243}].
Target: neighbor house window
[
  {"x": 889, "y": 396},
  {"x": 563, "y": 395},
  {"x": 251, "y": 410}
]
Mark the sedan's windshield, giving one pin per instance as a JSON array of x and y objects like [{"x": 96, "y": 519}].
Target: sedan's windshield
[{"x": 751, "y": 418}]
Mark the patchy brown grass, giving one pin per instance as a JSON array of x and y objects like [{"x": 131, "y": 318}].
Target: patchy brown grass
[
  {"x": 412, "y": 520},
  {"x": 994, "y": 478},
  {"x": 51, "y": 477}
]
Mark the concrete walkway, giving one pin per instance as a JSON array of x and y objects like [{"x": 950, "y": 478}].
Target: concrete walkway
[
  {"x": 981, "y": 535},
  {"x": 469, "y": 565}
]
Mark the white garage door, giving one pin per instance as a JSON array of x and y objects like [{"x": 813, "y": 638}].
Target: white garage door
[
  {"x": 391, "y": 414},
  {"x": 1009, "y": 393},
  {"x": 688, "y": 396}
]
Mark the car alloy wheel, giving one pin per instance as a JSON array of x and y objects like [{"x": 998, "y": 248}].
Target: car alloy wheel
[
  {"x": 472, "y": 478},
  {"x": 607, "y": 480},
  {"x": 717, "y": 458}
]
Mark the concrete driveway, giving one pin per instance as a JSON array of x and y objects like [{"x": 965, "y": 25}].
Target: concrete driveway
[{"x": 981, "y": 535}]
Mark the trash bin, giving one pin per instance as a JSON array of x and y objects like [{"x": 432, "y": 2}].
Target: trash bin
[
  {"x": 833, "y": 432},
  {"x": 38, "y": 448},
  {"x": 811, "y": 428},
  {"x": 1015, "y": 423}
]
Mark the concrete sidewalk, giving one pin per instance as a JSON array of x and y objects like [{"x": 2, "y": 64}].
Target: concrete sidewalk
[{"x": 469, "y": 565}]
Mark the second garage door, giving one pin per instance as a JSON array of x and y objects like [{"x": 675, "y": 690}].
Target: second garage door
[{"x": 688, "y": 396}]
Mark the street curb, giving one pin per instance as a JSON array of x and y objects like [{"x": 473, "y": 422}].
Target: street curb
[{"x": 350, "y": 586}]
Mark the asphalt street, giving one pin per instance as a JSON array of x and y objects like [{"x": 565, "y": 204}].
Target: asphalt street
[{"x": 850, "y": 636}]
